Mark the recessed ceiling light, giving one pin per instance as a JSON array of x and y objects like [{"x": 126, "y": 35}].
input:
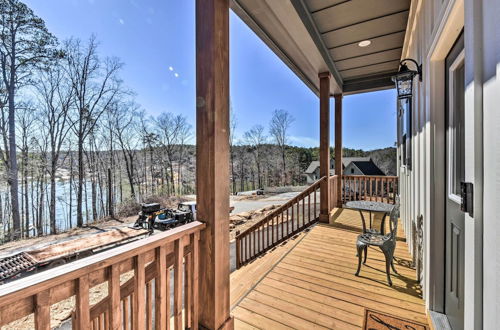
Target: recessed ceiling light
[{"x": 365, "y": 43}]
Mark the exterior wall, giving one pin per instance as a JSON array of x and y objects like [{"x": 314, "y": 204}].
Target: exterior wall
[
  {"x": 433, "y": 27},
  {"x": 312, "y": 177},
  {"x": 348, "y": 170},
  {"x": 486, "y": 50}
]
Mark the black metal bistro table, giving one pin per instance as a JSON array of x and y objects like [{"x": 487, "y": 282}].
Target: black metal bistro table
[{"x": 370, "y": 207}]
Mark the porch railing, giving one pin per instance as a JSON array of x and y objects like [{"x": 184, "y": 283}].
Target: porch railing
[
  {"x": 284, "y": 222},
  {"x": 145, "y": 267},
  {"x": 369, "y": 188}
]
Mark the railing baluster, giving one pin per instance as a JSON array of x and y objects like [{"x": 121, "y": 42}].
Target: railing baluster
[
  {"x": 149, "y": 306},
  {"x": 303, "y": 212},
  {"x": 133, "y": 308},
  {"x": 126, "y": 307},
  {"x": 139, "y": 319},
  {"x": 309, "y": 208},
  {"x": 259, "y": 246},
  {"x": 187, "y": 290},
  {"x": 194, "y": 279},
  {"x": 254, "y": 238},
  {"x": 343, "y": 190},
  {"x": 169, "y": 293},
  {"x": 386, "y": 191},
  {"x": 161, "y": 288},
  {"x": 42, "y": 310},
  {"x": 331, "y": 191},
  {"x": 177, "y": 284},
  {"x": 101, "y": 321},
  {"x": 247, "y": 245},
  {"x": 355, "y": 188},
  {"x": 114, "y": 295},
  {"x": 287, "y": 221},
  {"x": 82, "y": 302},
  {"x": 366, "y": 180},
  {"x": 282, "y": 226}
]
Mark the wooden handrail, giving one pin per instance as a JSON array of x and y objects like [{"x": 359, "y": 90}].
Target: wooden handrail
[
  {"x": 162, "y": 252},
  {"x": 369, "y": 187},
  {"x": 279, "y": 225}
]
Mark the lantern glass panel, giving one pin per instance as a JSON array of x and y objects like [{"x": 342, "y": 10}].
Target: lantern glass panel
[{"x": 404, "y": 85}]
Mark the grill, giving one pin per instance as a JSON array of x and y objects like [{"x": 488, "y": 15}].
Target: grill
[{"x": 13, "y": 265}]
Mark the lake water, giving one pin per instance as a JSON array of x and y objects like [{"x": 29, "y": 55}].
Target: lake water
[{"x": 64, "y": 220}]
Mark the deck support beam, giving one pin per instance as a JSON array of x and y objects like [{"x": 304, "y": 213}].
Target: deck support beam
[
  {"x": 338, "y": 147},
  {"x": 212, "y": 160},
  {"x": 324, "y": 145}
]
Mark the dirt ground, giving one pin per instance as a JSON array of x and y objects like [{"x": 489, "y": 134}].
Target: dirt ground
[
  {"x": 244, "y": 220},
  {"x": 95, "y": 228}
]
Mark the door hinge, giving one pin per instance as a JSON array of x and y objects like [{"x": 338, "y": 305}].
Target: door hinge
[{"x": 467, "y": 194}]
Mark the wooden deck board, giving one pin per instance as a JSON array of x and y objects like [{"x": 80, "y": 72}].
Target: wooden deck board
[
  {"x": 311, "y": 283},
  {"x": 244, "y": 279}
]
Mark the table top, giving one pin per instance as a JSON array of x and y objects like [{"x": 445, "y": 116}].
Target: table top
[{"x": 370, "y": 206}]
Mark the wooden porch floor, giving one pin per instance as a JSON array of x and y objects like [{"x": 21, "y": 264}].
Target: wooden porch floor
[{"x": 309, "y": 282}]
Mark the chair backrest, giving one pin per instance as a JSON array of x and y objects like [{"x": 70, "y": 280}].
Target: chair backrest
[{"x": 393, "y": 221}]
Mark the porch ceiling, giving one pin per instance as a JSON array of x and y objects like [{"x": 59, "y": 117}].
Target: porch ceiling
[{"x": 312, "y": 36}]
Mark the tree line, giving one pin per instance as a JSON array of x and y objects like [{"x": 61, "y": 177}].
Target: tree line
[
  {"x": 76, "y": 146},
  {"x": 67, "y": 116}
]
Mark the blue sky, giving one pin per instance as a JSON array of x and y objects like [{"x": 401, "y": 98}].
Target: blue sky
[{"x": 156, "y": 38}]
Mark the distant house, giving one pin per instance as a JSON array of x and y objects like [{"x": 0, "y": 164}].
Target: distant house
[
  {"x": 350, "y": 165},
  {"x": 312, "y": 171},
  {"x": 360, "y": 166}
]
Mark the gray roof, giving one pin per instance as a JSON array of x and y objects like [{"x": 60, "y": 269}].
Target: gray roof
[
  {"x": 312, "y": 167},
  {"x": 368, "y": 168},
  {"x": 347, "y": 160},
  {"x": 365, "y": 165}
]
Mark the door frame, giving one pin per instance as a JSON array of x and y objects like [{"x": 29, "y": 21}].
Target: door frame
[
  {"x": 453, "y": 21},
  {"x": 445, "y": 36}
]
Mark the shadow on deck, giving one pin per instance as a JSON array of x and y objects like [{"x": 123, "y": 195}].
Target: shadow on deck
[{"x": 309, "y": 282}]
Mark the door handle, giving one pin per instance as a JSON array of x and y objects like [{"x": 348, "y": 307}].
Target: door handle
[{"x": 467, "y": 194}]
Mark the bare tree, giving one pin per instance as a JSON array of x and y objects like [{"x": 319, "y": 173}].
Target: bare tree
[
  {"x": 184, "y": 135},
  {"x": 125, "y": 129},
  {"x": 150, "y": 143},
  {"x": 169, "y": 125},
  {"x": 25, "y": 118},
  {"x": 55, "y": 97},
  {"x": 95, "y": 85},
  {"x": 278, "y": 128},
  {"x": 256, "y": 138},
  {"x": 242, "y": 158},
  {"x": 24, "y": 43}
]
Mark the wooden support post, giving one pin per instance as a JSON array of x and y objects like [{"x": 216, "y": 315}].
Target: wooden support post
[
  {"x": 338, "y": 146},
  {"x": 324, "y": 145},
  {"x": 212, "y": 159}
]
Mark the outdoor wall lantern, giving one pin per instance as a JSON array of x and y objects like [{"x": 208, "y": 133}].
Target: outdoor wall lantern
[{"x": 404, "y": 78}]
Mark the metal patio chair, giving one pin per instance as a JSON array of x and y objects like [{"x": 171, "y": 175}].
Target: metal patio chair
[{"x": 386, "y": 243}]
